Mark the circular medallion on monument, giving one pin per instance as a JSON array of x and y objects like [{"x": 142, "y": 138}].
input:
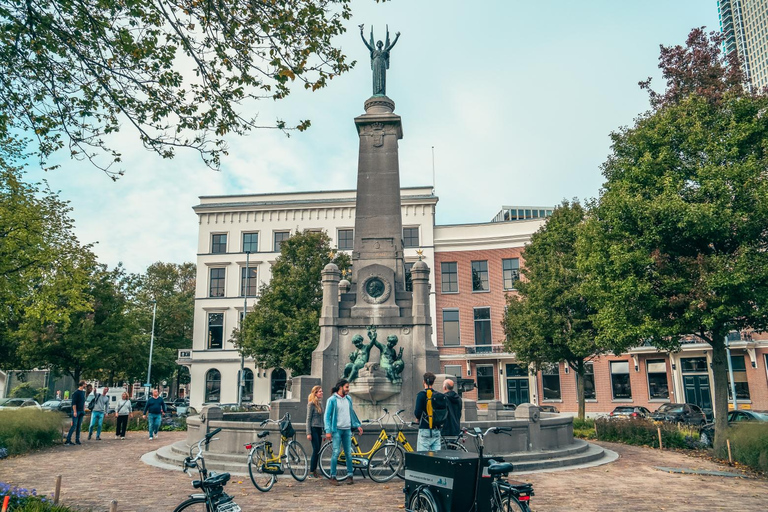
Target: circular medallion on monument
[{"x": 376, "y": 289}]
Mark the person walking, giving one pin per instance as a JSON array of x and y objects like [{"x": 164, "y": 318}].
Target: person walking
[
  {"x": 78, "y": 411},
  {"x": 123, "y": 411},
  {"x": 340, "y": 418},
  {"x": 452, "y": 426},
  {"x": 431, "y": 412},
  {"x": 315, "y": 426},
  {"x": 156, "y": 409},
  {"x": 100, "y": 408}
]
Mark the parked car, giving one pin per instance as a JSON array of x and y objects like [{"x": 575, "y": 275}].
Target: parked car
[
  {"x": 680, "y": 413},
  {"x": 549, "y": 408},
  {"x": 631, "y": 412},
  {"x": 66, "y": 407},
  {"x": 707, "y": 433},
  {"x": 138, "y": 406},
  {"x": 51, "y": 405},
  {"x": 17, "y": 403}
]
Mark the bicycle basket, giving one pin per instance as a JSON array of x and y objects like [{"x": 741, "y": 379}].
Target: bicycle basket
[{"x": 286, "y": 429}]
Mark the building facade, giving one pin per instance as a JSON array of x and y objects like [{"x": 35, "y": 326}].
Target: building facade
[{"x": 745, "y": 26}]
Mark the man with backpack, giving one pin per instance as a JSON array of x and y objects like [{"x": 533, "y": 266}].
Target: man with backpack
[{"x": 431, "y": 412}]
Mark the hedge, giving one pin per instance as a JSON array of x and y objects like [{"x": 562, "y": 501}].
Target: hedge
[
  {"x": 28, "y": 429},
  {"x": 645, "y": 433},
  {"x": 749, "y": 445}
]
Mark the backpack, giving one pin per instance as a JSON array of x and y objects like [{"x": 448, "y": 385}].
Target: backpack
[
  {"x": 437, "y": 409},
  {"x": 92, "y": 403}
]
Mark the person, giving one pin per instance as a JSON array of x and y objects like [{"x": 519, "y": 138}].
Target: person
[
  {"x": 78, "y": 411},
  {"x": 452, "y": 426},
  {"x": 66, "y": 394},
  {"x": 340, "y": 418},
  {"x": 156, "y": 408},
  {"x": 429, "y": 418},
  {"x": 100, "y": 408},
  {"x": 315, "y": 426},
  {"x": 123, "y": 411},
  {"x": 58, "y": 394}
]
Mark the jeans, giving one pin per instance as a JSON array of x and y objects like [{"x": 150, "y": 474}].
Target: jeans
[
  {"x": 154, "y": 423},
  {"x": 122, "y": 425},
  {"x": 317, "y": 441},
  {"x": 77, "y": 426},
  {"x": 342, "y": 437},
  {"x": 97, "y": 418},
  {"x": 428, "y": 440}
]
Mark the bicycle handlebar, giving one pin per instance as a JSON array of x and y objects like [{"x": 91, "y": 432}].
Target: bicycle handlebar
[{"x": 286, "y": 416}]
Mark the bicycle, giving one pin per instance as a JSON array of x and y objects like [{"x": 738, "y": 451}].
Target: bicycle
[
  {"x": 505, "y": 496},
  {"x": 213, "y": 498},
  {"x": 264, "y": 465},
  {"x": 446, "y": 443},
  {"x": 382, "y": 462}
]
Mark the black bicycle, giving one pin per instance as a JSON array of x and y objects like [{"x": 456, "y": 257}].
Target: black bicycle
[
  {"x": 505, "y": 496},
  {"x": 213, "y": 498}
]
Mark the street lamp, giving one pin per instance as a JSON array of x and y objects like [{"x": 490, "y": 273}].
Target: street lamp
[
  {"x": 241, "y": 387},
  {"x": 730, "y": 372},
  {"x": 148, "y": 384}
]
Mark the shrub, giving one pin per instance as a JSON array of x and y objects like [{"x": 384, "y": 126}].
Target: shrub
[
  {"x": 584, "y": 429},
  {"x": 29, "y": 429},
  {"x": 27, "y": 390},
  {"x": 642, "y": 433},
  {"x": 749, "y": 445}
]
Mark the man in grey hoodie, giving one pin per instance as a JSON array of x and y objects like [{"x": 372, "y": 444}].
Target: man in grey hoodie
[{"x": 100, "y": 408}]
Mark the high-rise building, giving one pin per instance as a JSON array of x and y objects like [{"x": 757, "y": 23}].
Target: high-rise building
[{"x": 745, "y": 25}]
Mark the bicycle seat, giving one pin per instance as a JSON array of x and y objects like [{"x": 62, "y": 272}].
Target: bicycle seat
[
  {"x": 217, "y": 480},
  {"x": 500, "y": 469},
  {"x": 263, "y": 434}
]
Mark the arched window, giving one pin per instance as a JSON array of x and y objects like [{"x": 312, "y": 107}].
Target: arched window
[
  {"x": 278, "y": 383},
  {"x": 213, "y": 385},
  {"x": 247, "y": 385}
]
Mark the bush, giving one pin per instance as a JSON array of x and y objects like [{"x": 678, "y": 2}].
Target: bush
[
  {"x": 29, "y": 429},
  {"x": 643, "y": 433},
  {"x": 584, "y": 429},
  {"x": 26, "y": 390},
  {"x": 749, "y": 445},
  {"x": 25, "y": 500}
]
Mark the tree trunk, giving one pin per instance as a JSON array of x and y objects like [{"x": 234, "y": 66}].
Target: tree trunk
[
  {"x": 720, "y": 385},
  {"x": 580, "y": 388}
]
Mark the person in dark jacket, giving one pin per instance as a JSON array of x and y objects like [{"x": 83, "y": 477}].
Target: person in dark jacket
[
  {"x": 156, "y": 409},
  {"x": 452, "y": 426},
  {"x": 78, "y": 411},
  {"x": 315, "y": 421}
]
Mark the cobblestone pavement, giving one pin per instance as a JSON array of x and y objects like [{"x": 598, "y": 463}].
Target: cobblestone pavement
[{"x": 100, "y": 471}]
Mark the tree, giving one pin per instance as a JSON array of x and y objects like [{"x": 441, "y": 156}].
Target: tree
[
  {"x": 284, "y": 327},
  {"x": 74, "y": 72},
  {"x": 549, "y": 319},
  {"x": 677, "y": 245}
]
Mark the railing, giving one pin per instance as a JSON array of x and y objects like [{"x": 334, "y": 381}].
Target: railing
[{"x": 486, "y": 349}]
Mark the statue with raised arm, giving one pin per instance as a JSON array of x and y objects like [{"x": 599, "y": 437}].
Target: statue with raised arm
[
  {"x": 391, "y": 360},
  {"x": 358, "y": 357},
  {"x": 379, "y": 60}
]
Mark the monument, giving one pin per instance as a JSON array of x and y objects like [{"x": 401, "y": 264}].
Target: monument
[{"x": 374, "y": 302}]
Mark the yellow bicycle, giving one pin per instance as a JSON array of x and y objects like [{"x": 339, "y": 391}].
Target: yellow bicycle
[
  {"x": 264, "y": 465},
  {"x": 382, "y": 462}
]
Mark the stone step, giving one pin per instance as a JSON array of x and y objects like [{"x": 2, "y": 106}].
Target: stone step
[{"x": 592, "y": 454}]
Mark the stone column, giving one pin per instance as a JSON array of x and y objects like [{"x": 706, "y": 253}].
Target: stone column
[{"x": 325, "y": 358}]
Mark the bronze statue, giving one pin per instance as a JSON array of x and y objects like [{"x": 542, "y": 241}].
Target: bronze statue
[
  {"x": 358, "y": 358},
  {"x": 379, "y": 60},
  {"x": 392, "y": 361}
]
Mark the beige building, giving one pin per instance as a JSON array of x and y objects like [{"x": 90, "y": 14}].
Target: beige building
[{"x": 745, "y": 26}]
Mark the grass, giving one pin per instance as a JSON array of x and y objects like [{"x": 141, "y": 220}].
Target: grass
[
  {"x": 749, "y": 445},
  {"x": 28, "y": 429}
]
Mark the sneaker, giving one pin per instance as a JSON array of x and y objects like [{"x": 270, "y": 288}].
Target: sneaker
[
  {"x": 68, "y": 443},
  {"x": 89, "y": 436},
  {"x": 122, "y": 438},
  {"x": 78, "y": 442},
  {"x": 350, "y": 480},
  {"x": 334, "y": 481},
  {"x": 150, "y": 438},
  {"x": 98, "y": 439},
  {"x": 316, "y": 474}
]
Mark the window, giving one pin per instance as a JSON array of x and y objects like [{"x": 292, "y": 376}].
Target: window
[
  {"x": 453, "y": 369},
  {"x": 250, "y": 242},
  {"x": 408, "y": 281},
  {"x": 589, "y": 382},
  {"x": 693, "y": 364},
  {"x": 215, "y": 330},
  {"x": 480, "y": 276},
  {"x": 550, "y": 381},
  {"x": 620, "y": 380},
  {"x": 485, "y": 382},
  {"x": 250, "y": 281},
  {"x": 739, "y": 379},
  {"x": 451, "y": 336},
  {"x": 658, "y": 389},
  {"x": 213, "y": 385},
  {"x": 217, "y": 282},
  {"x": 510, "y": 272},
  {"x": 278, "y": 383},
  {"x": 247, "y": 385},
  {"x": 345, "y": 239},
  {"x": 410, "y": 237},
  {"x": 482, "y": 326},
  {"x": 280, "y": 237},
  {"x": 219, "y": 243},
  {"x": 450, "y": 277}
]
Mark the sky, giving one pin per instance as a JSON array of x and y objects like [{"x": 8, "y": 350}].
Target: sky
[{"x": 517, "y": 98}]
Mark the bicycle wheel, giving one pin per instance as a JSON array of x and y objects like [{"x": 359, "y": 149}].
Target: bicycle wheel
[
  {"x": 510, "y": 504},
  {"x": 452, "y": 445},
  {"x": 263, "y": 481},
  {"x": 296, "y": 460},
  {"x": 385, "y": 462},
  {"x": 422, "y": 501},
  {"x": 193, "y": 505},
  {"x": 324, "y": 461}
]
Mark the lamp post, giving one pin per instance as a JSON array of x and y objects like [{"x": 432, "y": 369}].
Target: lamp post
[
  {"x": 241, "y": 387},
  {"x": 148, "y": 385},
  {"x": 730, "y": 372}
]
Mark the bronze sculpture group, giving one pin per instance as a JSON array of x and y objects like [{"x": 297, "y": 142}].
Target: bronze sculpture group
[{"x": 391, "y": 360}]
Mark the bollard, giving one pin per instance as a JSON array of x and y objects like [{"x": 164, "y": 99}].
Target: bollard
[
  {"x": 6, "y": 500},
  {"x": 57, "y": 490},
  {"x": 113, "y": 506},
  {"x": 730, "y": 458},
  {"x": 658, "y": 429}
]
